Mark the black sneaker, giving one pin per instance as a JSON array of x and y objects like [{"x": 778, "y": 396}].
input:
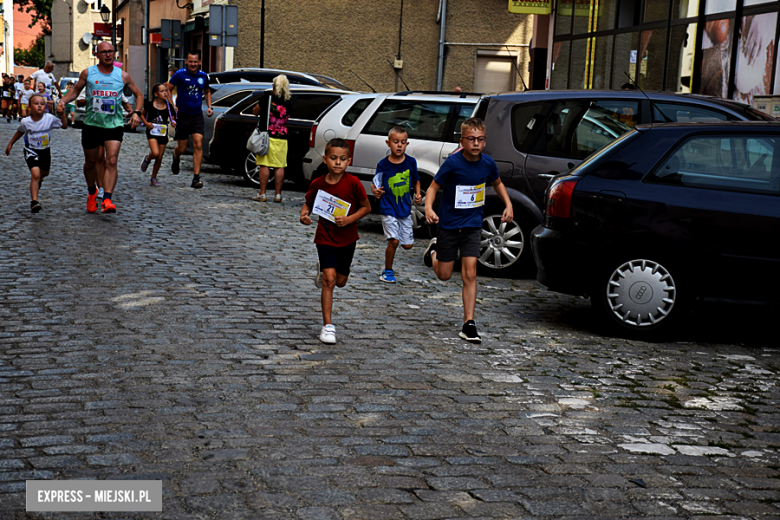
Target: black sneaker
[
  {"x": 196, "y": 182},
  {"x": 469, "y": 332},
  {"x": 427, "y": 259},
  {"x": 35, "y": 206},
  {"x": 175, "y": 165}
]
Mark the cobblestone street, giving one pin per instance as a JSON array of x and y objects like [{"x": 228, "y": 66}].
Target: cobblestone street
[{"x": 177, "y": 340}]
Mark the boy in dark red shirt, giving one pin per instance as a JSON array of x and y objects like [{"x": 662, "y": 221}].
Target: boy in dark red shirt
[{"x": 340, "y": 201}]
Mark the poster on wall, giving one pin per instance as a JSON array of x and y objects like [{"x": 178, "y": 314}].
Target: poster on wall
[
  {"x": 755, "y": 57},
  {"x": 715, "y": 61},
  {"x": 530, "y": 6}
]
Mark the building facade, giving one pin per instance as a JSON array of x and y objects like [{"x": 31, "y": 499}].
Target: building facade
[
  {"x": 724, "y": 48},
  {"x": 390, "y": 46}
]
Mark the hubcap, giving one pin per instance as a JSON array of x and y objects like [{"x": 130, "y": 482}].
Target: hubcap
[
  {"x": 501, "y": 244},
  {"x": 641, "y": 292},
  {"x": 418, "y": 213}
]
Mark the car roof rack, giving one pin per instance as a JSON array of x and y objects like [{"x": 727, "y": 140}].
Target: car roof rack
[{"x": 438, "y": 93}]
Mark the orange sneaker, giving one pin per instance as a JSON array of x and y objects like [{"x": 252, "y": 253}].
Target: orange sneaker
[
  {"x": 92, "y": 202},
  {"x": 108, "y": 207}
]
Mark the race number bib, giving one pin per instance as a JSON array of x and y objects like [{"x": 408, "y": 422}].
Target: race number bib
[
  {"x": 159, "y": 130},
  {"x": 329, "y": 206},
  {"x": 6, "y": 93},
  {"x": 104, "y": 106},
  {"x": 467, "y": 197},
  {"x": 42, "y": 141}
]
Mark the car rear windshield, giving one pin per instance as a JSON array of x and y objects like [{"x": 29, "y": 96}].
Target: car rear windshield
[{"x": 604, "y": 153}]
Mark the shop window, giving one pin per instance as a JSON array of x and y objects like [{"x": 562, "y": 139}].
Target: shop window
[
  {"x": 719, "y": 6},
  {"x": 685, "y": 9},
  {"x": 715, "y": 59},
  {"x": 563, "y": 20},
  {"x": 656, "y": 10},
  {"x": 626, "y": 58},
  {"x": 755, "y": 56},
  {"x": 601, "y": 63},
  {"x": 560, "y": 66},
  {"x": 651, "y": 58},
  {"x": 579, "y": 56},
  {"x": 679, "y": 65},
  {"x": 629, "y": 11}
]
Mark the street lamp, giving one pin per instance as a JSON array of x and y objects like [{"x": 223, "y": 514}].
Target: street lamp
[{"x": 105, "y": 13}]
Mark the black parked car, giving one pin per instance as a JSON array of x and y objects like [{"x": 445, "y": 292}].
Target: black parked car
[
  {"x": 535, "y": 135},
  {"x": 662, "y": 216},
  {"x": 257, "y": 75},
  {"x": 232, "y": 129}
]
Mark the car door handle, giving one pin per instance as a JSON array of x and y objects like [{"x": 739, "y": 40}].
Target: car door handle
[{"x": 547, "y": 176}]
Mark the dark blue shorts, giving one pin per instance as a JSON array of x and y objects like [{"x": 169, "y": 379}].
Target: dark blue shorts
[
  {"x": 338, "y": 258},
  {"x": 449, "y": 241}
]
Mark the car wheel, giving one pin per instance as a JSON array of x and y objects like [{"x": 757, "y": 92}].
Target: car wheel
[
  {"x": 504, "y": 248},
  {"x": 639, "y": 296},
  {"x": 251, "y": 172}
]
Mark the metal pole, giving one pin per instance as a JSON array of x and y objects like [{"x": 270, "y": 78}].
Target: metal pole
[
  {"x": 262, "y": 34},
  {"x": 224, "y": 37},
  {"x": 146, "y": 49},
  {"x": 440, "y": 74},
  {"x": 113, "y": 25}
]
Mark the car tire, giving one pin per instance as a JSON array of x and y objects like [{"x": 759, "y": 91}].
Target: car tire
[
  {"x": 505, "y": 249},
  {"x": 250, "y": 170},
  {"x": 640, "y": 297}
]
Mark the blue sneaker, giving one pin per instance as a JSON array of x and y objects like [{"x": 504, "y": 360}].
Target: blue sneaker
[{"x": 387, "y": 276}]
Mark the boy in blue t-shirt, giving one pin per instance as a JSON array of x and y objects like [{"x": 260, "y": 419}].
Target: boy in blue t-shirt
[
  {"x": 395, "y": 177},
  {"x": 463, "y": 177}
]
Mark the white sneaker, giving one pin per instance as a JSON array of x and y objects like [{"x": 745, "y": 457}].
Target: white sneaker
[
  {"x": 100, "y": 193},
  {"x": 318, "y": 277},
  {"x": 328, "y": 334}
]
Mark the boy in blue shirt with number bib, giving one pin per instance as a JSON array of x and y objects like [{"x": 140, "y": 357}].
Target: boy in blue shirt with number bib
[
  {"x": 395, "y": 177},
  {"x": 463, "y": 177}
]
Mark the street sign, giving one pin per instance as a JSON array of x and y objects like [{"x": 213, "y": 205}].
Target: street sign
[
  {"x": 223, "y": 25},
  {"x": 170, "y": 33},
  {"x": 104, "y": 30}
]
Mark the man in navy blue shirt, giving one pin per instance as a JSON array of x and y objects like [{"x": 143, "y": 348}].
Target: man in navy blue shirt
[
  {"x": 191, "y": 85},
  {"x": 463, "y": 177}
]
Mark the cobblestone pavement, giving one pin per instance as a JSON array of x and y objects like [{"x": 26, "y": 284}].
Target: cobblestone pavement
[{"x": 177, "y": 340}]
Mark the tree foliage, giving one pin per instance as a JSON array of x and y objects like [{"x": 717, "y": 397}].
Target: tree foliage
[
  {"x": 32, "y": 57},
  {"x": 41, "y": 12}
]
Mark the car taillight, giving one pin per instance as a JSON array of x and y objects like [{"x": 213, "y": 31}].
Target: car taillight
[
  {"x": 311, "y": 135},
  {"x": 218, "y": 124},
  {"x": 351, "y": 144},
  {"x": 559, "y": 199}
]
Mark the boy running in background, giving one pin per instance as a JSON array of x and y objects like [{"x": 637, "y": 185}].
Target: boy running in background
[
  {"x": 463, "y": 177},
  {"x": 340, "y": 201},
  {"x": 395, "y": 176},
  {"x": 36, "y": 130},
  {"x": 7, "y": 95},
  {"x": 27, "y": 93}
]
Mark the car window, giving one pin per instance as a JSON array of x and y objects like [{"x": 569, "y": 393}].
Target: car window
[
  {"x": 672, "y": 112},
  {"x": 426, "y": 120},
  {"x": 464, "y": 112},
  {"x": 231, "y": 99},
  {"x": 310, "y": 106},
  {"x": 736, "y": 163},
  {"x": 354, "y": 112},
  {"x": 527, "y": 119},
  {"x": 576, "y": 129}
]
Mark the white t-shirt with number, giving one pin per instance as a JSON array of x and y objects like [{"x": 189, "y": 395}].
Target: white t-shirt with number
[{"x": 37, "y": 134}]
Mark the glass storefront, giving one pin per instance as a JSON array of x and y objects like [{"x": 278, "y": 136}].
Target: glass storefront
[{"x": 725, "y": 48}]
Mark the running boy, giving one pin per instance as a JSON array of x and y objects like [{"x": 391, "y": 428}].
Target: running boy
[
  {"x": 27, "y": 93},
  {"x": 36, "y": 130},
  {"x": 463, "y": 177},
  {"x": 335, "y": 197},
  {"x": 395, "y": 176},
  {"x": 7, "y": 95}
]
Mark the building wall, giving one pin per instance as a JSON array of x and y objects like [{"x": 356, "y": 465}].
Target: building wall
[
  {"x": 357, "y": 39},
  {"x": 69, "y": 23}
]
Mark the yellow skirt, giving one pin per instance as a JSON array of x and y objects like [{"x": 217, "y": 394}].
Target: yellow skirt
[{"x": 276, "y": 156}]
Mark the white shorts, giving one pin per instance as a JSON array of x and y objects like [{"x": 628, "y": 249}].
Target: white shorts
[{"x": 399, "y": 229}]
